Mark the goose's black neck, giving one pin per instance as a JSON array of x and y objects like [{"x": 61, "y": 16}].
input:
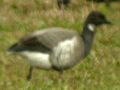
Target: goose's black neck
[{"x": 88, "y": 36}]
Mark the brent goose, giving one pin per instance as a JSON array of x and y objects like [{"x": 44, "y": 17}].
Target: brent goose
[
  {"x": 107, "y": 2},
  {"x": 60, "y": 2},
  {"x": 58, "y": 48}
]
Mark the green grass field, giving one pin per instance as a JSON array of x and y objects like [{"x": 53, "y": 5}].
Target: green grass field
[{"x": 99, "y": 71}]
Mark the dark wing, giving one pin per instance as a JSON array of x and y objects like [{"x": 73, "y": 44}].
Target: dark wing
[
  {"x": 44, "y": 41},
  {"x": 51, "y": 37},
  {"x": 33, "y": 44}
]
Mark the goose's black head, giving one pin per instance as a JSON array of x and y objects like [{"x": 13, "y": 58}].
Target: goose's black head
[{"x": 97, "y": 18}]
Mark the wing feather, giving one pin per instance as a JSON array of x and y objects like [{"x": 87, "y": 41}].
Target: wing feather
[{"x": 45, "y": 40}]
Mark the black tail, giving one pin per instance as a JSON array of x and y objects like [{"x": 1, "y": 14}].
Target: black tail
[{"x": 13, "y": 47}]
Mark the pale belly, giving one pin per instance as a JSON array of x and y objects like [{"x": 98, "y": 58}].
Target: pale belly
[{"x": 37, "y": 59}]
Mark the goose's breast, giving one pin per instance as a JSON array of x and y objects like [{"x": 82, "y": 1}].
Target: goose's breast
[{"x": 66, "y": 53}]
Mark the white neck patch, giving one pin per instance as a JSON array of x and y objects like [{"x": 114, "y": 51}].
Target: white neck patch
[{"x": 91, "y": 27}]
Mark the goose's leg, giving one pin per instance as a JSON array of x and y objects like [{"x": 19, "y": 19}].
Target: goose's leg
[
  {"x": 107, "y": 2},
  {"x": 61, "y": 73},
  {"x": 61, "y": 77},
  {"x": 30, "y": 73},
  {"x": 59, "y": 4},
  {"x": 66, "y": 5}
]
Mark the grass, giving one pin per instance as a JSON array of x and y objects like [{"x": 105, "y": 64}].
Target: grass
[{"x": 99, "y": 71}]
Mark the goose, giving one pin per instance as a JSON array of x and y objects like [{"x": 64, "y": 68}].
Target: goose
[
  {"x": 107, "y": 2},
  {"x": 57, "y": 48},
  {"x": 60, "y": 2}
]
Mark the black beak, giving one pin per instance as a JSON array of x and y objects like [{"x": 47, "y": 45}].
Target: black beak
[{"x": 108, "y": 22}]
